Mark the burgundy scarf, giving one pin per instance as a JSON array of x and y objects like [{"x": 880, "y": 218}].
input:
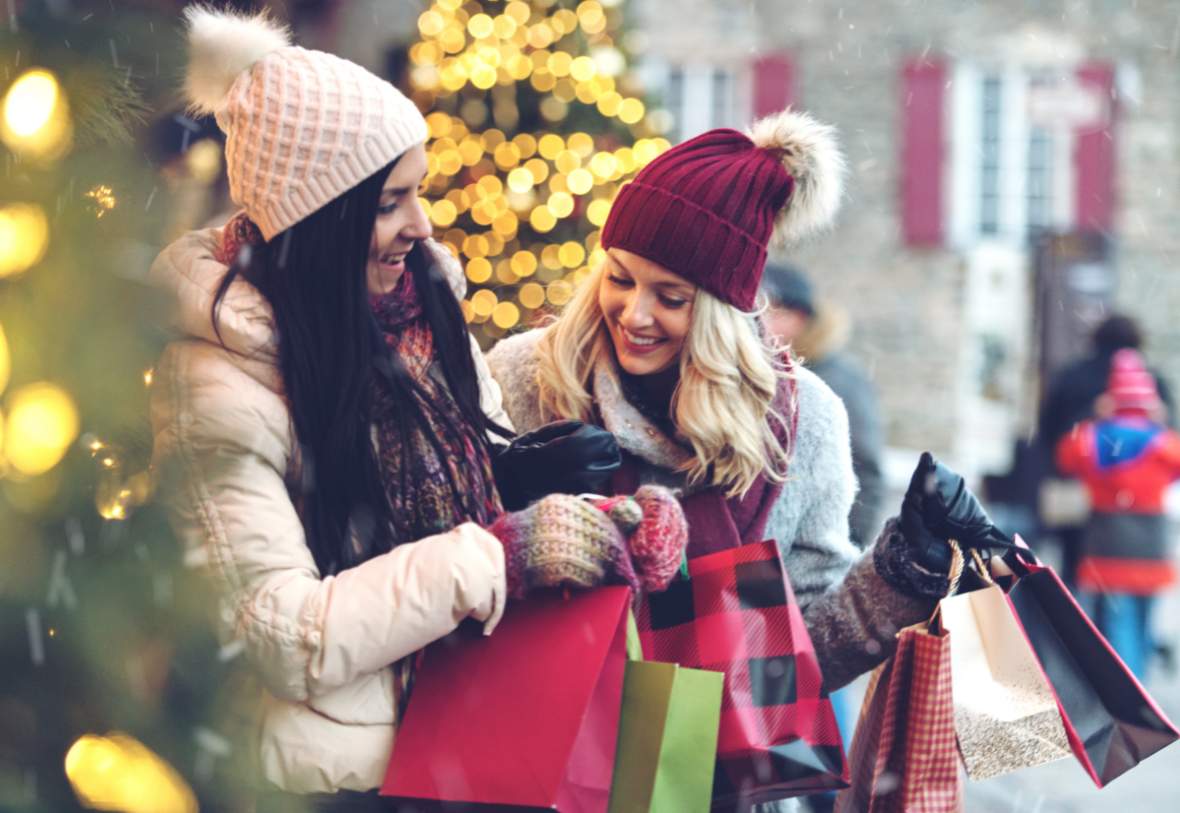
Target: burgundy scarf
[{"x": 717, "y": 522}]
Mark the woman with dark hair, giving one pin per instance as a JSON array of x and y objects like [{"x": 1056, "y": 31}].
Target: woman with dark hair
[{"x": 322, "y": 426}]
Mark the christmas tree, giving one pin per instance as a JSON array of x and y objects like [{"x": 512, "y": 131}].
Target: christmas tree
[
  {"x": 110, "y": 670},
  {"x": 535, "y": 122}
]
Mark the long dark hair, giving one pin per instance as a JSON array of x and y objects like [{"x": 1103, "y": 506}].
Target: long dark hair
[{"x": 330, "y": 354}]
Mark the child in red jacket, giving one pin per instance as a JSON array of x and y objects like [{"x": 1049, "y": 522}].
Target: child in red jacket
[{"x": 1126, "y": 458}]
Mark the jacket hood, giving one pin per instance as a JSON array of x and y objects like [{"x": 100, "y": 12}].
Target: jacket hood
[
  {"x": 826, "y": 333},
  {"x": 189, "y": 272}
]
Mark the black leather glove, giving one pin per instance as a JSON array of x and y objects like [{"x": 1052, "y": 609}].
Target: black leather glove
[
  {"x": 564, "y": 457},
  {"x": 938, "y": 506}
]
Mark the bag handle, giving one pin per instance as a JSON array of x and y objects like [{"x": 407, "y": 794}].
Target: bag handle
[
  {"x": 957, "y": 563},
  {"x": 953, "y": 577}
]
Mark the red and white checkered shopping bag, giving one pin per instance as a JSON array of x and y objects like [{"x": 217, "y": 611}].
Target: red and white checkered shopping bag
[
  {"x": 903, "y": 757},
  {"x": 737, "y": 614}
]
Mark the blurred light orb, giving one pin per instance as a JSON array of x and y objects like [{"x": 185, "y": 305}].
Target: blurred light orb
[
  {"x": 608, "y": 60},
  {"x": 42, "y": 423},
  {"x": 117, "y": 772},
  {"x": 505, "y": 315},
  {"x": 483, "y": 302},
  {"x": 36, "y": 119},
  {"x": 24, "y": 237},
  {"x": 203, "y": 160},
  {"x": 597, "y": 211},
  {"x": 580, "y": 181},
  {"x": 5, "y": 365},
  {"x": 532, "y": 295}
]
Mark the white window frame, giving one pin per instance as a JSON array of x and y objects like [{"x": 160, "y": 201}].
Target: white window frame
[{"x": 963, "y": 204}]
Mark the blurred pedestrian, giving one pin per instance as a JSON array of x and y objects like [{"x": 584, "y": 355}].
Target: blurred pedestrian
[
  {"x": 1127, "y": 458},
  {"x": 1070, "y": 398},
  {"x": 816, "y": 331}
]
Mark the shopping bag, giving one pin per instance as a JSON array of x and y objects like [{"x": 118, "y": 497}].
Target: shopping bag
[
  {"x": 525, "y": 719},
  {"x": 1112, "y": 723},
  {"x": 736, "y": 614},
  {"x": 903, "y": 757},
  {"x": 1006, "y": 715},
  {"x": 667, "y": 739}
]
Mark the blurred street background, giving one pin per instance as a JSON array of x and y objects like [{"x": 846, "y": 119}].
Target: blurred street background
[{"x": 1013, "y": 181}]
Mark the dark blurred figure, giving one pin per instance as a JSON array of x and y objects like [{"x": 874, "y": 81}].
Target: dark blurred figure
[
  {"x": 817, "y": 332},
  {"x": 1070, "y": 399}
]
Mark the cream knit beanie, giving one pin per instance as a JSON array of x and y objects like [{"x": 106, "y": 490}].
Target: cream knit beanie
[{"x": 302, "y": 127}]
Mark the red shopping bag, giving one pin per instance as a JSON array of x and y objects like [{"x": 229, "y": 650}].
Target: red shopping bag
[
  {"x": 1111, "y": 721},
  {"x": 736, "y": 614},
  {"x": 525, "y": 719},
  {"x": 903, "y": 755}
]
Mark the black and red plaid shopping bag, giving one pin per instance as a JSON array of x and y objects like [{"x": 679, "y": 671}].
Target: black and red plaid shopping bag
[{"x": 736, "y": 614}]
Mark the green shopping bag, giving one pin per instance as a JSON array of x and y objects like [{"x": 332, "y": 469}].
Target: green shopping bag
[{"x": 667, "y": 739}]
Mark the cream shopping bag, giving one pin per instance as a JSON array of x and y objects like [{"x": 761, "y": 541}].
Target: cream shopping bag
[{"x": 1006, "y": 714}]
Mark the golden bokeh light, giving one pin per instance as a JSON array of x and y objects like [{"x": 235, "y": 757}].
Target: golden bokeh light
[
  {"x": 42, "y": 423},
  {"x": 520, "y": 180},
  {"x": 117, "y": 772},
  {"x": 597, "y": 211},
  {"x": 524, "y": 263},
  {"x": 580, "y": 181},
  {"x": 542, "y": 219},
  {"x": 5, "y": 365},
  {"x": 561, "y": 204},
  {"x": 505, "y": 315},
  {"x": 631, "y": 111},
  {"x": 36, "y": 119},
  {"x": 483, "y": 302},
  {"x": 559, "y": 292},
  {"x": 550, "y": 145},
  {"x": 532, "y": 295},
  {"x": 24, "y": 237},
  {"x": 571, "y": 254},
  {"x": 479, "y": 270},
  {"x": 443, "y": 213}
]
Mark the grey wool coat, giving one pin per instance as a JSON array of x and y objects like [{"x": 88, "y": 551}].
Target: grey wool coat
[{"x": 852, "y": 613}]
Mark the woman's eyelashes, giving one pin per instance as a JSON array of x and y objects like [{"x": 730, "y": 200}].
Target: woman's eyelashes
[
  {"x": 391, "y": 207},
  {"x": 667, "y": 301}
]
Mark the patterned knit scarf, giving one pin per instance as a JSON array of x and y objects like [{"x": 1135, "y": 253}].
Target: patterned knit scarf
[{"x": 436, "y": 470}]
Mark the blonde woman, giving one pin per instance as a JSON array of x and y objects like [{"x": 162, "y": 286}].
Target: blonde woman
[{"x": 663, "y": 347}]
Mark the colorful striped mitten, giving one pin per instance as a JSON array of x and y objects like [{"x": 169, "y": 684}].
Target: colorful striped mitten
[{"x": 562, "y": 541}]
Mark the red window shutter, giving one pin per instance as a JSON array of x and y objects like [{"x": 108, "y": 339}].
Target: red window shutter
[
  {"x": 923, "y": 91},
  {"x": 774, "y": 83},
  {"x": 1094, "y": 154}
]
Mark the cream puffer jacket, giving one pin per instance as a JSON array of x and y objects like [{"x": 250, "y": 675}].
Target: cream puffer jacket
[{"x": 321, "y": 646}]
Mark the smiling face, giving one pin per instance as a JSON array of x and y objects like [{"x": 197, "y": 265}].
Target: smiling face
[
  {"x": 400, "y": 223},
  {"x": 647, "y": 311}
]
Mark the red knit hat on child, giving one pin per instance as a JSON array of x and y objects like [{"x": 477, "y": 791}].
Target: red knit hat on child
[
  {"x": 706, "y": 209},
  {"x": 1130, "y": 387}
]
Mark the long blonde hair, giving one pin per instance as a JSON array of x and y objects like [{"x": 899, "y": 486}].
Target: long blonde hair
[{"x": 722, "y": 405}]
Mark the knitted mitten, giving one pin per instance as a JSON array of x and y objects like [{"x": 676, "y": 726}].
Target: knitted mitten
[
  {"x": 656, "y": 533},
  {"x": 560, "y": 541}
]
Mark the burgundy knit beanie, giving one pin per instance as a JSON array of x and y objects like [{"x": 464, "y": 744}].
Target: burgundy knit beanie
[{"x": 706, "y": 209}]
